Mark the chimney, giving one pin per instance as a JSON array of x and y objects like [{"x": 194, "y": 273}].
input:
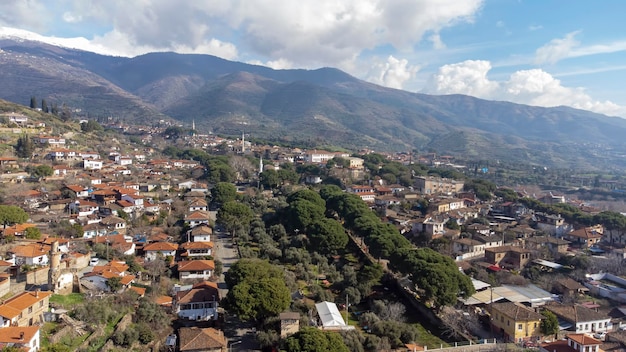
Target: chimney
[{"x": 21, "y": 335}]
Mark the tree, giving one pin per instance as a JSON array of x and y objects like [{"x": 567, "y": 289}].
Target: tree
[
  {"x": 301, "y": 214},
  {"x": 269, "y": 179},
  {"x": 314, "y": 340},
  {"x": 33, "y": 102},
  {"x": 437, "y": 276},
  {"x": 235, "y": 216},
  {"x": 257, "y": 289},
  {"x": 550, "y": 324},
  {"x": 114, "y": 283},
  {"x": 32, "y": 233},
  {"x": 11, "y": 214},
  {"x": 259, "y": 299},
  {"x": 24, "y": 147},
  {"x": 327, "y": 236},
  {"x": 44, "y": 106},
  {"x": 223, "y": 192},
  {"x": 90, "y": 126},
  {"x": 452, "y": 225},
  {"x": 41, "y": 171}
]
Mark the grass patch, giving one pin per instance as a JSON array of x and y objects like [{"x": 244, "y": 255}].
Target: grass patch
[
  {"x": 68, "y": 301},
  {"x": 425, "y": 338},
  {"x": 47, "y": 329}
]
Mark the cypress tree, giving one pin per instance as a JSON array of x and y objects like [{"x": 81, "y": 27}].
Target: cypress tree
[
  {"x": 44, "y": 106},
  {"x": 33, "y": 102},
  {"x": 24, "y": 147}
]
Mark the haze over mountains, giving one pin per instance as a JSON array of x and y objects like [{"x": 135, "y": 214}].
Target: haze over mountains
[{"x": 324, "y": 106}]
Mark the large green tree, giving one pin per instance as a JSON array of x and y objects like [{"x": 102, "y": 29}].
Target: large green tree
[
  {"x": 223, "y": 192},
  {"x": 301, "y": 214},
  {"x": 257, "y": 289},
  {"x": 436, "y": 276},
  {"x": 327, "y": 236},
  {"x": 11, "y": 214},
  {"x": 314, "y": 340},
  {"x": 235, "y": 216}
]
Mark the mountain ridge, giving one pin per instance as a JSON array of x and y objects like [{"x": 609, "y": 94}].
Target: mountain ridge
[{"x": 323, "y": 104}]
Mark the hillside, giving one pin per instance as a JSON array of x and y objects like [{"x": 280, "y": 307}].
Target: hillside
[{"x": 326, "y": 106}]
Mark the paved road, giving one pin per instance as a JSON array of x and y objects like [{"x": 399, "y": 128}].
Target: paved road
[
  {"x": 239, "y": 333},
  {"x": 227, "y": 254}
]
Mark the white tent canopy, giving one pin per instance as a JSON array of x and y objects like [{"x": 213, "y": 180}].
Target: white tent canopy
[{"x": 329, "y": 315}]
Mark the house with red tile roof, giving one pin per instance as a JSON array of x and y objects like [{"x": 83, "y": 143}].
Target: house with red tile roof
[
  {"x": 573, "y": 343},
  {"x": 586, "y": 236},
  {"x": 200, "y": 233},
  {"x": 197, "y": 249},
  {"x": 193, "y": 339},
  {"x": 200, "y": 303},
  {"x": 195, "y": 269},
  {"x": 197, "y": 217},
  {"x": 25, "y": 338},
  {"x": 24, "y": 309},
  {"x": 29, "y": 254},
  {"x": 98, "y": 278},
  {"x": 153, "y": 250}
]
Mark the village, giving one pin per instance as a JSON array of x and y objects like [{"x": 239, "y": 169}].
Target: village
[{"x": 142, "y": 221}]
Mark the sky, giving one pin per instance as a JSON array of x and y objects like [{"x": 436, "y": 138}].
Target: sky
[{"x": 535, "y": 52}]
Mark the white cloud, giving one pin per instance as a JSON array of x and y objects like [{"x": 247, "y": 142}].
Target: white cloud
[
  {"x": 535, "y": 27},
  {"x": 392, "y": 73},
  {"x": 71, "y": 17},
  {"x": 468, "y": 77},
  {"x": 437, "y": 42},
  {"x": 30, "y": 14},
  {"x": 311, "y": 33},
  {"x": 557, "y": 49},
  {"x": 532, "y": 87},
  {"x": 500, "y": 24}
]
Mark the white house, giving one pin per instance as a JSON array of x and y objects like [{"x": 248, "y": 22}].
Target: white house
[
  {"x": 200, "y": 233},
  {"x": 199, "y": 303},
  {"x": 197, "y": 218},
  {"x": 195, "y": 269},
  {"x": 92, "y": 164},
  {"x": 197, "y": 249},
  {"x": 24, "y": 338},
  {"x": 153, "y": 250},
  {"x": 29, "y": 254},
  {"x": 318, "y": 156},
  {"x": 97, "y": 279},
  {"x": 83, "y": 207},
  {"x": 94, "y": 230},
  {"x": 580, "y": 319}
]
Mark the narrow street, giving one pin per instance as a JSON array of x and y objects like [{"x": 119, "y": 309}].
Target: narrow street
[{"x": 238, "y": 333}]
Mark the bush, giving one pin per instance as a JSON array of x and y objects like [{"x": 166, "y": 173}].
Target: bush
[{"x": 146, "y": 335}]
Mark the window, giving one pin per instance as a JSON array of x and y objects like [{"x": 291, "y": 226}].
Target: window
[
  {"x": 40, "y": 304},
  {"x": 508, "y": 323},
  {"x": 519, "y": 327},
  {"x": 535, "y": 325},
  {"x": 30, "y": 309}
]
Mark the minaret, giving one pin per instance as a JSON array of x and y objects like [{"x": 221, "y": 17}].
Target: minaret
[
  {"x": 261, "y": 165},
  {"x": 55, "y": 266},
  {"x": 243, "y": 143},
  {"x": 193, "y": 127}
]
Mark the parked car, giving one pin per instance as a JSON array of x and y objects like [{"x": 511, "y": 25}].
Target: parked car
[
  {"x": 94, "y": 261},
  {"x": 599, "y": 335}
]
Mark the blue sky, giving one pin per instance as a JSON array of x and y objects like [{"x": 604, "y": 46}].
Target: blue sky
[{"x": 539, "y": 52}]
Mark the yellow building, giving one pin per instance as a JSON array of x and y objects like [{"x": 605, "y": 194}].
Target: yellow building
[{"x": 515, "y": 322}]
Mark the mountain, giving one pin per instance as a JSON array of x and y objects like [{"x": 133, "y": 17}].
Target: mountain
[{"x": 324, "y": 106}]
